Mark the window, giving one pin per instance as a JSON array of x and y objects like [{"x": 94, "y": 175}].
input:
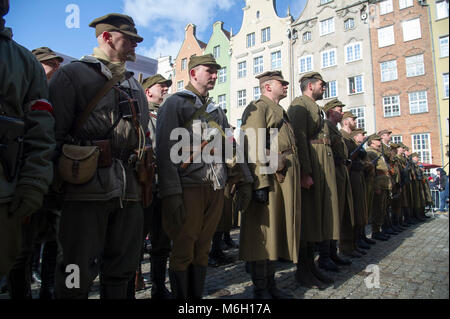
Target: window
[
  {"x": 327, "y": 26},
  {"x": 222, "y": 101},
  {"x": 353, "y": 52},
  {"x": 414, "y": 65},
  {"x": 258, "y": 65},
  {"x": 360, "y": 112},
  {"x": 355, "y": 84},
  {"x": 242, "y": 69},
  {"x": 405, "y": 4},
  {"x": 216, "y": 52},
  {"x": 421, "y": 145},
  {"x": 276, "y": 60},
  {"x": 250, "y": 40},
  {"x": 388, "y": 71},
  {"x": 307, "y": 36},
  {"x": 183, "y": 64},
  {"x": 239, "y": 121},
  {"x": 411, "y": 30},
  {"x": 328, "y": 58},
  {"x": 265, "y": 35},
  {"x": 305, "y": 63},
  {"x": 331, "y": 90},
  {"x": 391, "y": 106},
  {"x": 325, "y": 1},
  {"x": 386, "y": 7},
  {"x": 397, "y": 139},
  {"x": 349, "y": 24},
  {"x": 242, "y": 98},
  {"x": 256, "y": 93},
  {"x": 441, "y": 9},
  {"x": 443, "y": 46},
  {"x": 180, "y": 86},
  {"x": 223, "y": 75},
  {"x": 445, "y": 80},
  {"x": 418, "y": 102},
  {"x": 386, "y": 36}
]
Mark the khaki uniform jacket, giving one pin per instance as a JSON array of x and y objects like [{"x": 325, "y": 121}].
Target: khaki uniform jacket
[
  {"x": 320, "y": 208},
  {"x": 272, "y": 231},
  {"x": 382, "y": 179},
  {"x": 401, "y": 160}
]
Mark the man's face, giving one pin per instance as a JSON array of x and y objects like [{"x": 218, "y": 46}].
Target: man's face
[
  {"x": 400, "y": 150},
  {"x": 123, "y": 45},
  {"x": 415, "y": 159},
  {"x": 386, "y": 138},
  {"x": 336, "y": 114},
  {"x": 318, "y": 89},
  {"x": 407, "y": 153},
  {"x": 50, "y": 67},
  {"x": 376, "y": 144},
  {"x": 205, "y": 76},
  {"x": 157, "y": 92},
  {"x": 279, "y": 89},
  {"x": 359, "y": 138}
]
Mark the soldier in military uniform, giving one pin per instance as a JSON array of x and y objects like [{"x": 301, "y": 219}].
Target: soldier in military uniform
[
  {"x": 382, "y": 187},
  {"x": 26, "y": 138},
  {"x": 320, "y": 208},
  {"x": 333, "y": 111},
  {"x": 101, "y": 220},
  {"x": 404, "y": 179},
  {"x": 418, "y": 189},
  {"x": 396, "y": 203},
  {"x": 410, "y": 175},
  {"x": 270, "y": 227}
]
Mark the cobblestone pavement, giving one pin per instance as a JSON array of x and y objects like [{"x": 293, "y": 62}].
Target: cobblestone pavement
[{"x": 411, "y": 265}]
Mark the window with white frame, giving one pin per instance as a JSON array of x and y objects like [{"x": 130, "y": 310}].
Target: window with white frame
[
  {"x": 242, "y": 98},
  {"x": 386, "y": 36},
  {"x": 388, "y": 71},
  {"x": 327, "y": 26},
  {"x": 307, "y": 36},
  {"x": 418, "y": 102},
  {"x": 353, "y": 52},
  {"x": 443, "y": 46},
  {"x": 222, "y": 75},
  {"x": 216, "y": 51},
  {"x": 391, "y": 106},
  {"x": 222, "y": 101},
  {"x": 276, "y": 60},
  {"x": 355, "y": 84},
  {"x": 328, "y": 58},
  {"x": 242, "y": 69},
  {"x": 411, "y": 30},
  {"x": 256, "y": 93},
  {"x": 405, "y": 3},
  {"x": 349, "y": 24},
  {"x": 331, "y": 90},
  {"x": 445, "y": 80},
  {"x": 415, "y": 65},
  {"x": 180, "y": 86},
  {"x": 305, "y": 63},
  {"x": 250, "y": 39},
  {"x": 265, "y": 35},
  {"x": 422, "y": 146},
  {"x": 397, "y": 139},
  {"x": 258, "y": 65},
  {"x": 360, "y": 112},
  {"x": 386, "y": 7},
  {"x": 183, "y": 63},
  {"x": 441, "y": 9}
]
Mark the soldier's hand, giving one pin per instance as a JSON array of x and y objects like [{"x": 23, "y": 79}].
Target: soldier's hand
[
  {"x": 306, "y": 181},
  {"x": 174, "y": 207},
  {"x": 27, "y": 199},
  {"x": 262, "y": 195},
  {"x": 243, "y": 196}
]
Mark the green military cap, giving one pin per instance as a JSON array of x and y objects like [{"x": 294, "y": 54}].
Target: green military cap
[
  {"x": 414, "y": 155},
  {"x": 373, "y": 137},
  {"x": 116, "y": 22},
  {"x": 357, "y": 131},
  {"x": 4, "y": 7},
  {"x": 44, "y": 54},
  {"x": 271, "y": 75},
  {"x": 332, "y": 104},
  {"x": 384, "y": 132},
  {"x": 394, "y": 145},
  {"x": 348, "y": 114},
  {"x": 312, "y": 75},
  {"x": 155, "y": 79},
  {"x": 207, "y": 59}
]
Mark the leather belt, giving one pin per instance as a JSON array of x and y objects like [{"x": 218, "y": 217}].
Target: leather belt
[{"x": 325, "y": 141}]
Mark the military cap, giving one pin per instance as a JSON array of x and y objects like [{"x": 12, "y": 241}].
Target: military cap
[
  {"x": 116, "y": 22},
  {"x": 414, "y": 155},
  {"x": 155, "y": 79},
  {"x": 384, "y": 132},
  {"x": 348, "y": 114},
  {"x": 271, "y": 75},
  {"x": 207, "y": 59},
  {"x": 44, "y": 54},
  {"x": 394, "y": 145},
  {"x": 312, "y": 75},
  {"x": 357, "y": 131},
  {"x": 374, "y": 137},
  {"x": 4, "y": 7},
  {"x": 332, "y": 104}
]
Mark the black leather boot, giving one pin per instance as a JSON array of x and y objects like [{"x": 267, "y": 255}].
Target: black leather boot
[
  {"x": 338, "y": 260},
  {"x": 259, "y": 275},
  {"x": 303, "y": 275},
  {"x": 179, "y": 281},
  {"x": 158, "y": 276},
  {"x": 367, "y": 240},
  {"x": 274, "y": 291},
  {"x": 216, "y": 256},
  {"x": 325, "y": 261},
  {"x": 379, "y": 236},
  {"x": 196, "y": 283},
  {"x": 315, "y": 270},
  {"x": 114, "y": 292},
  {"x": 229, "y": 241},
  {"x": 19, "y": 283},
  {"x": 48, "y": 268}
]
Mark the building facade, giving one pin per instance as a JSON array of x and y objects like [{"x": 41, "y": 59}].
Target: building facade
[
  {"x": 262, "y": 44},
  {"x": 165, "y": 68},
  {"x": 405, "y": 95},
  {"x": 332, "y": 37}
]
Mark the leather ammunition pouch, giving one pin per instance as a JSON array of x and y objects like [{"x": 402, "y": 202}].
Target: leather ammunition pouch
[
  {"x": 78, "y": 164},
  {"x": 105, "y": 157}
]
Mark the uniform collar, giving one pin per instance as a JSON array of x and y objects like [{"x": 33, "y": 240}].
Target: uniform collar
[
  {"x": 153, "y": 106},
  {"x": 6, "y": 33}
]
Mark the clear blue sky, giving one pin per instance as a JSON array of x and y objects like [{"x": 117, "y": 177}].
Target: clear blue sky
[{"x": 160, "y": 22}]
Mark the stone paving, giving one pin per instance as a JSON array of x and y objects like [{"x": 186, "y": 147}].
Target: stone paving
[{"x": 411, "y": 265}]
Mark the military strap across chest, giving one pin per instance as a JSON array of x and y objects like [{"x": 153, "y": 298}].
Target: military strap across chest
[{"x": 201, "y": 112}]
